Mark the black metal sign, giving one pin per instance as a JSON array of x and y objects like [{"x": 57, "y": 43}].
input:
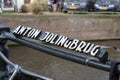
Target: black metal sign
[{"x": 73, "y": 44}]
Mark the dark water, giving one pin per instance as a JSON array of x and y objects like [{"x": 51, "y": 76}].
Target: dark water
[{"x": 57, "y": 68}]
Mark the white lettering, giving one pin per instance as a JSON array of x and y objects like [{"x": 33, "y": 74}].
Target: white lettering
[
  {"x": 27, "y": 30},
  {"x": 31, "y": 32},
  {"x": 74, "y": 44},
  {"x": 52, "y": 41},
  {"x": 67, "y": 43},
  {"x": 62, "y": 41},
  {"x": 88, "y": 48},
  {"x": 95, "y": 50},
  {"x": 81, "y": 46},
  {"x": 17, "y": 29},
  {"x": 58, "y": 39},
  {"x": 23, "y": 28},
  {"x": 49, "y": 37},
  {"x": 35, "y": 35}
]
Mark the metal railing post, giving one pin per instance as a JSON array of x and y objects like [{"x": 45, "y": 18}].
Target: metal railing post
[
  {"x": 3, "y": 65},
  {"x": 4, "y": 50},
  {"x": 114, "y": 74}
]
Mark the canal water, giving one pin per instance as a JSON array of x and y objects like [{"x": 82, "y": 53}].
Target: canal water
[{"x": 57, "y": 68}]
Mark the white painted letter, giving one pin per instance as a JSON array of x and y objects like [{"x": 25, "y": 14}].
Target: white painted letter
[
  {"x": 35, "y": 35},
  {"x": 62, "y": 41},
  {"x": 28, "y": 28},
  {"x": 67, "y": 43},
  {"x": 23, "y": 28},
  {"x": 88, "y": 48},
  {"x": 49, "y": 37},
  {"x": 95, "y": 50},
  {"x": 17, "y": 29},
  {"x": 74, "y": 44},
  {"x": 52, "y": 41},
  {"x": 81, "y": 46}
]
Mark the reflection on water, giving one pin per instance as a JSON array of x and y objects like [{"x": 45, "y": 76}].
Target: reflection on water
[{"x": 57, "y": 68}]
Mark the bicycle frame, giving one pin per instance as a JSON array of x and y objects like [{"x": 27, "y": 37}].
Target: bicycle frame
[{"x": 111, "y": 66}]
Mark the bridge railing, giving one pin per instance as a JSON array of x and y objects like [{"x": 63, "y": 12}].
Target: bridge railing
[{"x": 111, "y": 66}]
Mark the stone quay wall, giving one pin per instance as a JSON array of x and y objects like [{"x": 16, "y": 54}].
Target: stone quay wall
[{"x": 71, "y": 26}]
